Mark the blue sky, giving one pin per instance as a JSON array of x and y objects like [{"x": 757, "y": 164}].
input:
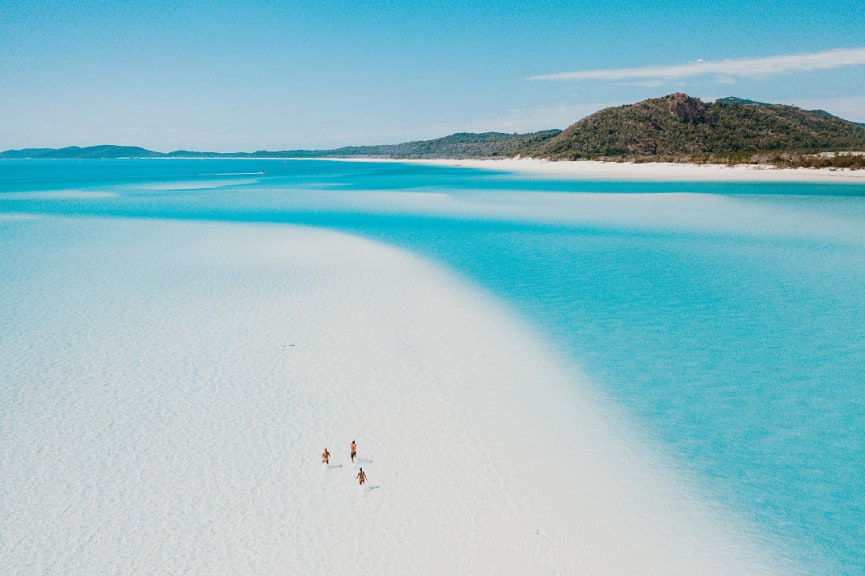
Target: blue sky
[{"x": 229, "y": 76}]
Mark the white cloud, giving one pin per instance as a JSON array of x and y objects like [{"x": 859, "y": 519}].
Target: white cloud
[{"x": 728, "y": 68}]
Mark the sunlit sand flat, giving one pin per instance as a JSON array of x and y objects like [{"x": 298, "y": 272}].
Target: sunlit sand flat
[{"x": 169, "y": 387}]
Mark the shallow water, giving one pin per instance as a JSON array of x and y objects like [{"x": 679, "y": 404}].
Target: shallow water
[{"x": 725, "y": 318}]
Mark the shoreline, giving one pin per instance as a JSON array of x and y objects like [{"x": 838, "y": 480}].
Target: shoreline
[
  {"x": 581, "y": 169},
  {"x": 650, "y": 171}
]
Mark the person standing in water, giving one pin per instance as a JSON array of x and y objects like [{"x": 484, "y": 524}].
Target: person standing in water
[
  {"x": 353, "y": 452},
  {"x": 361, "y": 477},
  {"x": 325, "y": 457}
]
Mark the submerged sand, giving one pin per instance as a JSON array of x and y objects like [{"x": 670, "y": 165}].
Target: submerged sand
[{"x": 170, "y": 387}]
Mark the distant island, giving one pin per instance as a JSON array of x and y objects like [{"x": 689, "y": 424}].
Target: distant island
[{"x": 673, "y": 128}]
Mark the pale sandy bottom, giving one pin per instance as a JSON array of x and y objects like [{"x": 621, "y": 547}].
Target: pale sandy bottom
[
  {"x": 659, "y": 171},
  {"x": 168, "y": 388}
]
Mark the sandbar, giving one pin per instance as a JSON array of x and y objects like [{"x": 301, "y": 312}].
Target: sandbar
[{"x": 171, "y": 385}]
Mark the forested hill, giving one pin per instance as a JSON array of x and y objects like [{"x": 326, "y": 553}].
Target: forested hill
[
  {"x": 104, "y": 151},
  {"x": 679, "y": 125},
  {"x": 676, "y": 127},
  {"x": 461, "y": 145}
]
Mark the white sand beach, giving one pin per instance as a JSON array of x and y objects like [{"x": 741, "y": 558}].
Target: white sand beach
[
  {"x": 170, "y": 387},
  {"x": 659, "y": 171}
]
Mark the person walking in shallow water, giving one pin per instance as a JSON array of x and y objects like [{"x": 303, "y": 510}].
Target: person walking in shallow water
[
  {"x": 325, "y": 457},
  {"x": 353, "y": 451},
  {"x": 361, "y": 477}
]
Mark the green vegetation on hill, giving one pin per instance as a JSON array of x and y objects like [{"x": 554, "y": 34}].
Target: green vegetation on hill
[
  {"x": 675, "y": 128},
  {"x": 461, "y": 145},
  {"x": 104, "y": 151},
  {"x": 734, "y": 100},
  {"x": 678, "y": 127}
]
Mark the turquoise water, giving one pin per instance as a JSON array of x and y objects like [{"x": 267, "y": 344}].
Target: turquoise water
[{"x": 726, "y": 319}]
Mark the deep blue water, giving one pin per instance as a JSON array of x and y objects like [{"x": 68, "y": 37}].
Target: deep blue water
[{"x": 727, "y": 319}]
